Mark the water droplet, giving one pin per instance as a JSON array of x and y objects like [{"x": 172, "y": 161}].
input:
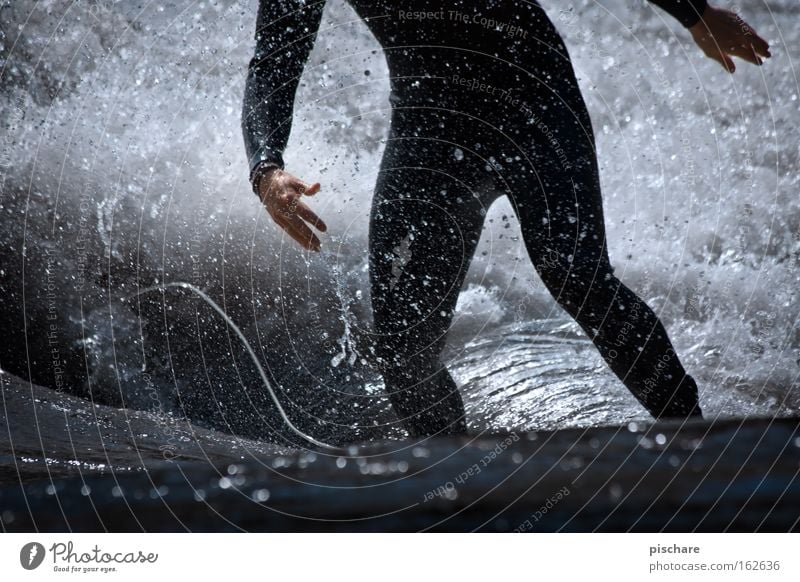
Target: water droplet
[{"x": 260, "y": 495}]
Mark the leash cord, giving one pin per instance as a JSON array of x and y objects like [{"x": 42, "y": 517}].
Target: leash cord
[{"x": 210, "y": 302}]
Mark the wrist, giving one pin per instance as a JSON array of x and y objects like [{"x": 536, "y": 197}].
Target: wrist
[
  {"x": 703, "y": 11},
  {"x": 263, "y": 170}
]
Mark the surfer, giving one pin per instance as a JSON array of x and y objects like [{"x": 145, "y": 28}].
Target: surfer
[{"x": 484, "y": 103}]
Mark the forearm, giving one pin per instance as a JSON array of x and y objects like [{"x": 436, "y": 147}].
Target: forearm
[
  {"x": 266, "y": 119},
  {"x": 283, "y": 43}
]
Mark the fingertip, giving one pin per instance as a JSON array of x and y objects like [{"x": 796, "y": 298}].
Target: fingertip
[
  {"x": 312, "y": 243},
  {"x": 763, "y": 46},
  {"x": 759, "y": 54}
]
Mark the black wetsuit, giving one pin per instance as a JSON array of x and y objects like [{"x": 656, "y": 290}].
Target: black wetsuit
[{"x": 484, "y": 103}]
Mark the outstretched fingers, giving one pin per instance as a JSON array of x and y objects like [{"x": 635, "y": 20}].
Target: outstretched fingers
[
  {"x": 306, "y": 238},
  {"x": 310, "y": 216},
  {"x": 283, "y": 200},
  {"x": 297, "y": 229},
  {"x": 749, "y": 45},
  {"x": 306, "y": 188},
  {"x": 760, "y": 46},
  {"x": 746, "y": 53},
  {"x": 723, "y": 59}
]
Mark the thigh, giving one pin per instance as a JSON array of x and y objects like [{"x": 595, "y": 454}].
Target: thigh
[
  {"x": 425, "y": 224},
  {"x": 556, "y": 190}
]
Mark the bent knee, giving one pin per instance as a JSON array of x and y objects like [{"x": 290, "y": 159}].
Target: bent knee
[{"x": 573, "y": 284}]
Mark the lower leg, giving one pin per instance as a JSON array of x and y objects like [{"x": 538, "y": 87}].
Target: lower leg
[
  {"x": 427, "y": 403},
  {"x": 422, "y": 238},
  {"x": 560, "y": 208},
  {"x": 635, "y": 344}
]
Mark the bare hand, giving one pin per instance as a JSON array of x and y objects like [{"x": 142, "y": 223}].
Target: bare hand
[
  {"x": 280, "y": 192},
  {"x": 721, "y": 34}
]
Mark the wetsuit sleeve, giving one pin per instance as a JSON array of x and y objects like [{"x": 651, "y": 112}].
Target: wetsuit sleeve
[
  {"x": 285, "y": 34},
  {"x": 687, "y": 12}
]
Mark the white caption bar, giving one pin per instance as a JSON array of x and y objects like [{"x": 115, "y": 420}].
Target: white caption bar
[{"x": 400, "y": 557}]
